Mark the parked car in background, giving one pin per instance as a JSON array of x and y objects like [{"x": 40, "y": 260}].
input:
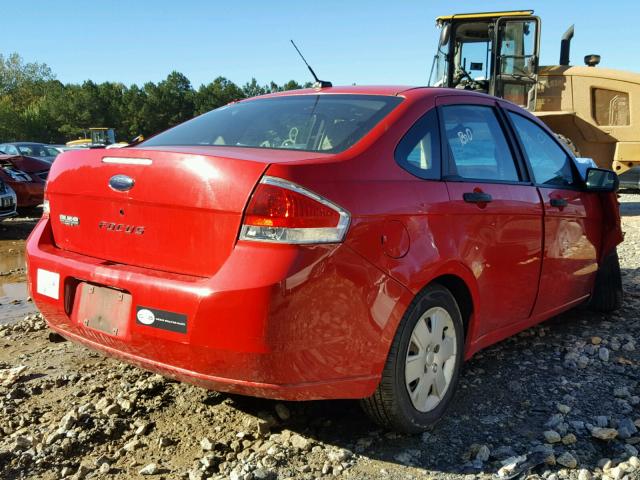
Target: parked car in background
[
  {"x": 630, "y": 179},
  {"x": 8, "y": 203},
  {"x": 61, "y": 148},
  {"x": 40, "y": 151},
  {"x": 26, "y": 176},
  {"x": 348, "y": 242}
]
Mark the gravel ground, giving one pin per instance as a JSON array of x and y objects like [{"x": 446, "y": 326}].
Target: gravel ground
[{"x": 561, "y": 400}]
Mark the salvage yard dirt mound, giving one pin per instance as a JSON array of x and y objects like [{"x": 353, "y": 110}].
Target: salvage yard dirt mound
[{"x": 561, "y": 400}]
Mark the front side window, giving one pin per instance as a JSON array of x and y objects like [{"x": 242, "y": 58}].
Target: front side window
[
  {"x": 477, "y": 145},
  {"x": 610, "y": 107},
  {"x": 319, "y": 123},
  {"x": 32, "y": 150},
  {"x": 550, "y": 163},
  {"x": 419, "y": 150}
]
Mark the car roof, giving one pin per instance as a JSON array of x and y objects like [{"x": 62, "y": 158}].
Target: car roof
[
  {"x": 23, "y": 143},
  {"x": 386, "y": 90}
]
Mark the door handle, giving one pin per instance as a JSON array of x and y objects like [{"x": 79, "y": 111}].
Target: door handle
[
  {"x": 476, "y": 197},
  {"x": 559, "y": 202}
]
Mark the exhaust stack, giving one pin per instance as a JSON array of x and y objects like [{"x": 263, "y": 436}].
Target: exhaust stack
[{"x": 565, "y": 46}]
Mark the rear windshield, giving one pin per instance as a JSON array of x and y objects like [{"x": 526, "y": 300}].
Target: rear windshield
[{"x": 318, "y": 123}]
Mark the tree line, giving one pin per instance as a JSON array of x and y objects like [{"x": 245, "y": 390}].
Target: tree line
[{"x": 35, "y": 106}]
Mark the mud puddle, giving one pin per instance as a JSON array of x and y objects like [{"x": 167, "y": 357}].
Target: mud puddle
[
  {"x": 12, "y": 262},
  {"x": 14, "y": 302}
]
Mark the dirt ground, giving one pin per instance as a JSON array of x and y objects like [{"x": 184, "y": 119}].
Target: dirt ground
[{"x": 560, "y": 400}]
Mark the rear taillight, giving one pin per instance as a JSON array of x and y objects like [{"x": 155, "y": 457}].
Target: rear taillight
[
  {"x": 45, "y": 208},
  {"x": 281, "y": 211}
]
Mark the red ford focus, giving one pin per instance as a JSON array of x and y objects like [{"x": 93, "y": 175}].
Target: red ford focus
[{"x": 319, "y": 244}]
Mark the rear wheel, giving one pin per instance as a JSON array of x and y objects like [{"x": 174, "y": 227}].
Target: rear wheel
[
  {"x": 422, "y": 368},
  {"x": 607, "y": 291}
]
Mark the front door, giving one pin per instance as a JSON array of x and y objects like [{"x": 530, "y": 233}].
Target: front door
[
  {"x": 572, "y": 219},
  {"x": 496, "y": 215}
]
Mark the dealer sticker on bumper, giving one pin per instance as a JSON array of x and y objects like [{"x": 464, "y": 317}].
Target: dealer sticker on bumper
[
  {"x": 48, "y": 283},
  {"x": 152, "y": 317}
]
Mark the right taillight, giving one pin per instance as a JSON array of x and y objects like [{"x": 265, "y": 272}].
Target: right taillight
[{"x": 283, "y": 212}]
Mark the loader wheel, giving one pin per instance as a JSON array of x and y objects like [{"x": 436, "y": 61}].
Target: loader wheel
[
  {"x": 607, "y": 291},
  {"x": 569, "y": 144},
  {"x": 421, "y": 372}
]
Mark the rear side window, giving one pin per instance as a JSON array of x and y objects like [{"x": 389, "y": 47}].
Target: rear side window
[
  {"x": 550, "y": 163},
  {"x": 419, "y": 151},
  {"x": 478, "y": 148},
  {"x": 319, "y": 123}
]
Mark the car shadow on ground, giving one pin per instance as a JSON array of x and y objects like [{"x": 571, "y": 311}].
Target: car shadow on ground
[
  {"x": 506, "y": 395},
  {"x": 17, "y": 228},
  {"x": 630, "y": 209}
]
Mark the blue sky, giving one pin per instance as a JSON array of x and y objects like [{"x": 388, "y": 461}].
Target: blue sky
[{"x": 348, "y": 41}]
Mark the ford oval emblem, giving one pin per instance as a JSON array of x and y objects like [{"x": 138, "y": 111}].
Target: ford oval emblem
[{"x": 122, "y": 183}]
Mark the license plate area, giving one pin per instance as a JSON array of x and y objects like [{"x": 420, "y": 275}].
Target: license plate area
[{"x": 102, "y": 308}]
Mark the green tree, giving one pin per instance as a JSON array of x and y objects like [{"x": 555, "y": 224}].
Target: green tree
[
  {"x": 216, "y": 94},
  {"x": 252, "y": 89},
  {"x": 168, "y": 103},
  {"x": 36, "y": 106}
]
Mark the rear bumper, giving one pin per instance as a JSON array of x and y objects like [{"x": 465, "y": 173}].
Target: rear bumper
[{"x": 275, "y": 321}]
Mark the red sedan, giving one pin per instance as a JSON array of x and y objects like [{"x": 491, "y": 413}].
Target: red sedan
[
  {"x": 326, "y": 243},
  {"x": 26, "y": 176}
]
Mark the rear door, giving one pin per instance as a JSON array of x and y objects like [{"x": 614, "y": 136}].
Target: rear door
[
  {"x": 496, "y": 212},
  {"x": 572, "y": 218}
]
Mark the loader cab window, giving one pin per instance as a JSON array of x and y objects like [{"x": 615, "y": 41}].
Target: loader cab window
[
  {"x": 517, "y": 60},
  {"x": 472, "y": 56},
  {"x": 517, "y": 47}
]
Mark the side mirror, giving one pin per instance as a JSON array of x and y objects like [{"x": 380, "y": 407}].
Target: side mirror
[
  {"x": 601, "y": 180},
  {"x": 444, "y": 34}
]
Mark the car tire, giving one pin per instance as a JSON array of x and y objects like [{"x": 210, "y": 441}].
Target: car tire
[
  {"x": 393, "y": 404},
  {"x": 607, "y": 290}
]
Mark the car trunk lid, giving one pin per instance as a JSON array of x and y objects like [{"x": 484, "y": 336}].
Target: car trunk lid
[{"x": 181, "y": 214}]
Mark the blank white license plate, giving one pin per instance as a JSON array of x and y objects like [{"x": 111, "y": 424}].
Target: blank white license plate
[{"x": 48, "y": 283}]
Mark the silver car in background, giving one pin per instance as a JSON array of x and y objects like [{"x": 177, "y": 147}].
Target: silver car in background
[{"x": 8, "y": 201}]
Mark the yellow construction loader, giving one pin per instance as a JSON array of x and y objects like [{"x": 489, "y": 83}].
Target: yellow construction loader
[
  {"x": 98, "y": 137},
  {"x": 596, "y": 111}
]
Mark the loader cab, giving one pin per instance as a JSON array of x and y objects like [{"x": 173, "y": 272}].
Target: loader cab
[
  {"x": 102, "y": 136},
  {"x": 495, "y": 53}
]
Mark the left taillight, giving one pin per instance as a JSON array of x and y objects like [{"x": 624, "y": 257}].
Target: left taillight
[
  {"x": 45, "y": 208},
  {"x": 284, "y": 212}
]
